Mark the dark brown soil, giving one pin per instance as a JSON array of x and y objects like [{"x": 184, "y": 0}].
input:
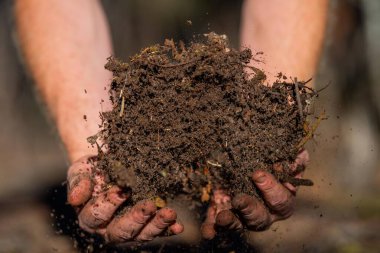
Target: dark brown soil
[{"x": 189, "y": 119}]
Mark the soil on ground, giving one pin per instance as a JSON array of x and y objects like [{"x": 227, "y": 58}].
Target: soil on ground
[{"x": 187, "y": 119}]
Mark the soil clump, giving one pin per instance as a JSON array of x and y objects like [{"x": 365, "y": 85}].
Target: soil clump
[{"x": 188, "y": 119}]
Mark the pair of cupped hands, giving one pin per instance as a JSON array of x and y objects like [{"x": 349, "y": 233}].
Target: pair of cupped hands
[{"x": 97, "y": 204}]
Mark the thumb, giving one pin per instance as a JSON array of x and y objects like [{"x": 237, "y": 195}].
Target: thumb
[
  {"x": 208, "y": 227},
  {"x": 79, "y": 183}
]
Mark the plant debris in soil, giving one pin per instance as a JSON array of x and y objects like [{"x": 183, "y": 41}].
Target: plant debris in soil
[{"x": 189, "y": 119}]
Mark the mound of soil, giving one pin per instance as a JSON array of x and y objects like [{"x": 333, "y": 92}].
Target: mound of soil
[{"x": 187, "y": 119}]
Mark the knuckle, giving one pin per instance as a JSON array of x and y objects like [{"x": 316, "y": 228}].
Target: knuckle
[
  {"x": 117, "y": 232},
  {"x": 240, "y": 201},
  {"x": 251, "y": 208},
  {"x": 123, "y": 235},
  {"x": 91, "y": 217},
  {"x": 167, "y": 215},
  {"x": 286, "y": 212},
  {"x": 114, "y": 198},
  {"x": 82, "y": 224},
  {"x": 259, "y": 224},
  {"x": 279, "y": 202},
  {"x": 98, "y": 215},
  {"x": 283, "y": 205},
  {"x": 146, "y": 207}
]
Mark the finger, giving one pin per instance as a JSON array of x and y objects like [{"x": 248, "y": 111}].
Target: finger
[
  {"x": 220, "y": 201},
  {"x": 252, "y": 212},
  {"x": 208, "y": 231},
  {"x": 127, "y": 226},
  {"x": 99, "y": 181},
  {"x": 98, "y": 211},
  {"x": 302, "y": 158},
  {"x": 79, "y": 182},
  {"x": 293, "y": 189},
  {"x": 208, "y": 227},
  {"x": 277, "y": 197},
  {"x": 161, "y": 221},
  {"x": 176, "y": 228},
  {"x": 228, "y": 221},
  {"x": 298, "y": 168}
]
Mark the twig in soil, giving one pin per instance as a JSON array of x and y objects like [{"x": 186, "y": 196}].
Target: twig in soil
[
  {"x": 303, "y": 85},
  {"x": 122, "y": 89},
  {"x": 123, "y": 98},
  {"x": 256, "y": 70},
  {"x": 100, "y": 151},
  {"x": 307, "y": 81},
  {"x": 122, "y": 106},
  {"x": 321, "y": 89},
  {"x": 214, "y": 164},
  {"x": 312, "y": 130},
  {"x": 298, "y": 98}
]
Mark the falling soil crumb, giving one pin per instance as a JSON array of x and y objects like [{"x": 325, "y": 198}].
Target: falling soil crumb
[{"x": 188, "y": 119}]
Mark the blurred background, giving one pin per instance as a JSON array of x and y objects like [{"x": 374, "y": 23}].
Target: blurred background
[{"x": 340, "y": 213}]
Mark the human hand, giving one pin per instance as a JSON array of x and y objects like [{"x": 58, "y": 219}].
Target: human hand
[
  {"x": 97, "y": 203},
  {"x": 248, "y": 211}
]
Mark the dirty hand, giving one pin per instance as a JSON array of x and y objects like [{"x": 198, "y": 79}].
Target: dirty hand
[
  {"x": 248, "y": 211},
  {"x": 97, "y": 206}
]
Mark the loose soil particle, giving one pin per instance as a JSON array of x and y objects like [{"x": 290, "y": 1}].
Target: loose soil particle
[{"x": 190, "y": 119}]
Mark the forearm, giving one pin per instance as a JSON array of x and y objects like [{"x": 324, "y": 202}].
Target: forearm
[
  {"x": 290, "y": 33},
  {"x": 65, "y": 44}
]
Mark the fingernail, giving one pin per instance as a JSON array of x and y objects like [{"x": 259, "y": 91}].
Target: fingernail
[
  {"x": 259, "y": 177},
  {"x": 74, "y": 182}
]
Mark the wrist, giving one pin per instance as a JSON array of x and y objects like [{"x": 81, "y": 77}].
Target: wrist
[
  {"x": 74, "y": 129},
  {"x": 79, "y": 120}
]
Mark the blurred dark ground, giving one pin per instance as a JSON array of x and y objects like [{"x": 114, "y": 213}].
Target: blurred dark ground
[{"x": 341, "y": 213}]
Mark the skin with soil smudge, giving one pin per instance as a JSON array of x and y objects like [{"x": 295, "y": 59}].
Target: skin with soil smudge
[{"x": 189, "y": 119}]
